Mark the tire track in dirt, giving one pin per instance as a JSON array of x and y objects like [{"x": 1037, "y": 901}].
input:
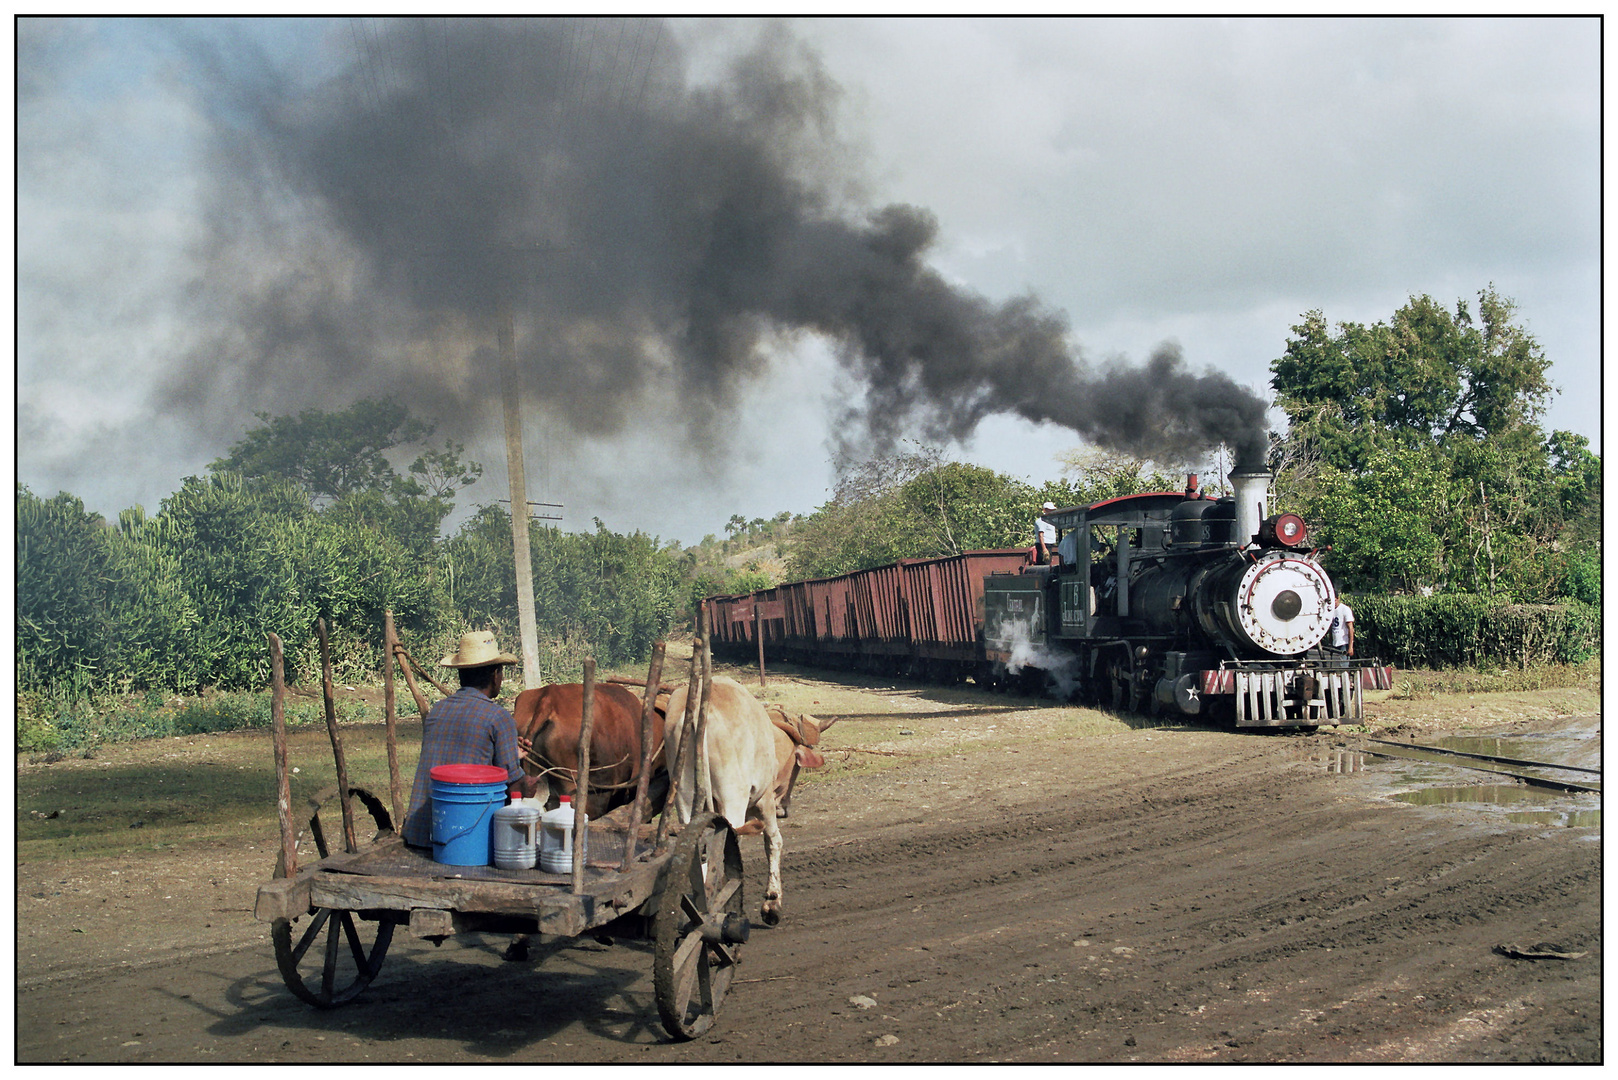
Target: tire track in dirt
[{"x": 1184, "y": 895}]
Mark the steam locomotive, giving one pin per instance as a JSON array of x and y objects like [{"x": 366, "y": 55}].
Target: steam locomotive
[
  {"x": 1177, "y": 602},
  {"x": 1165, "y": 602}
]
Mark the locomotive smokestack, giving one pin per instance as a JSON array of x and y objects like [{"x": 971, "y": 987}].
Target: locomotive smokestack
[{"x": 1252, "y": 487}]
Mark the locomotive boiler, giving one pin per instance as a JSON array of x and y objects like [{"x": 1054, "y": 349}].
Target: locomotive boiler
[{"x": 1179, "y": 602}]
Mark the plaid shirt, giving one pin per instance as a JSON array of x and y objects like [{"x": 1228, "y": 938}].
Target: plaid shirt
[{"x": 466, "y": 728}]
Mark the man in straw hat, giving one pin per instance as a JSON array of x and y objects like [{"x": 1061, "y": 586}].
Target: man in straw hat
[{"x": 467, "y": 728}]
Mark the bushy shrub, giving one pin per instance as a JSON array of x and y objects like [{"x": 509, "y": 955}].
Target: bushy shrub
[{"x": 1460, "y": 630}]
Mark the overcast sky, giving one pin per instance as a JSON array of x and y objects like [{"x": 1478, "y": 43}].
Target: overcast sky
[{"x": 1200, "y": 183}]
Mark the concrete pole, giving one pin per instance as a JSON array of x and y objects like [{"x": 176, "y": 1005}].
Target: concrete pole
[{"x": 521, "y": 552}]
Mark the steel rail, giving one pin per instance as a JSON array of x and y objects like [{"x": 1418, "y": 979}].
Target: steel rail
[
  {"x": 1488, "y": 757},
  {"x": 1536, "y": 781}
]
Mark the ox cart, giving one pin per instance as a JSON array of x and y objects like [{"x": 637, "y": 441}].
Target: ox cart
[{"x": 345, "y": 882}]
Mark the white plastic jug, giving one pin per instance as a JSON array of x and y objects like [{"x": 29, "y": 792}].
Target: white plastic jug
[
  {"x": 516, "y": 834},
  {"x": 556, "y": 839}
]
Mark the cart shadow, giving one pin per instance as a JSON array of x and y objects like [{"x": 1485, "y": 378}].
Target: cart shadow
[{"x": 470, "y": 996}]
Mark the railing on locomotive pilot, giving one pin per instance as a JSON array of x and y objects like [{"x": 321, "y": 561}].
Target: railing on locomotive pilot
[{"x": 1272, "y": 693}]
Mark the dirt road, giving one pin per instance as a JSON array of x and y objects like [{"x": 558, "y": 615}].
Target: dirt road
[{"x": 1155, "y": 895}]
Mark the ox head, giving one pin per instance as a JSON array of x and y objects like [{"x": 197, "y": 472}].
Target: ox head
[{"x": 804, "y": 731}]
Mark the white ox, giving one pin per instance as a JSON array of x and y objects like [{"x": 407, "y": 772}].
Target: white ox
[{"x": 753, "y": 757}]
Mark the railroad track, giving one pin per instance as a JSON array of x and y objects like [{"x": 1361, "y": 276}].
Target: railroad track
[{"x": 1428, "y": 753}]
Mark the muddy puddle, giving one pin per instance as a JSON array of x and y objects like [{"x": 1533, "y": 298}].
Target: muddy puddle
[{"x": 1496, "y": 783}]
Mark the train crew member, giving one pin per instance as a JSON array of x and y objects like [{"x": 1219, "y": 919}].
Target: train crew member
[
  {"x": 469, "y": 727},
  {"x": 1342, "y": 628},
  {"x": 1044, "y": 535}
]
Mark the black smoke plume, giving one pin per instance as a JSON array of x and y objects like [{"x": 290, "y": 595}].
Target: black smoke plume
[{"x": 653, "y": 237}]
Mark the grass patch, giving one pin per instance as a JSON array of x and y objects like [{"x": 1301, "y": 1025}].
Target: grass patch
[
  {"x": 1418, "y": 684},
  {"x": 51, "y": 728},
  {"x": 189, "y": 790}
]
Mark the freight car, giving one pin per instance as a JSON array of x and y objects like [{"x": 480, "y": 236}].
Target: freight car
[
  {"x": 919, "y": 618},
  {"x": 1161, "y": 602}
]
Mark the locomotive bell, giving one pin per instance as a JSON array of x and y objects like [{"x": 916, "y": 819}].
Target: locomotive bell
[{"x": 1252, "y": 487}]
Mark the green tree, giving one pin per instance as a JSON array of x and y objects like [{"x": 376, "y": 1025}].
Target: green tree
[
  {"x": 604, "y": 593},
  {"x": 1414, "y": 445},
  {"x": 153, "y": 623},
  {"x": 62, "y": 631},
  {"x": 1092, "y": 476},
  {"x": 340, "y": 460},
  {"x": 328, "y": 454},
  {"x": 245, "y": 551},
  {"x": 1427, "y": 375},
  {"x": 911, "y": 505},
  {"x": 1379, "y": 521}
]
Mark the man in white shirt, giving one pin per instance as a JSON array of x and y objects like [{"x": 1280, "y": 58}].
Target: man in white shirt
[
  {"x": 1342, "y": 628},
  {"x": 1044, "y": 535}
]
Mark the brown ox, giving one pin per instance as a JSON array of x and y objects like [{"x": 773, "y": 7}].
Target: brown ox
[
  {"x": 551, "y": 717},
  {"x": 752, "y": 760}
]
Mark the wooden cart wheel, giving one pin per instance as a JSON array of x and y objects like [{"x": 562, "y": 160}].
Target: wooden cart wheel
[
  {"x": 700, "y": 927},
  {"x": 354, "y": 946}
]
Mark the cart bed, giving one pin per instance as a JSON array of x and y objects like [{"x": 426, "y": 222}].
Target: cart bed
[{"x": 438, "y": 900}]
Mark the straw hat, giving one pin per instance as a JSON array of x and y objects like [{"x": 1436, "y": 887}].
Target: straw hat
[{"x": 477, "y": 649}]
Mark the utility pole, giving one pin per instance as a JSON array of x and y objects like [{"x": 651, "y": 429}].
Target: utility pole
[{"x": 521, "y": 552}]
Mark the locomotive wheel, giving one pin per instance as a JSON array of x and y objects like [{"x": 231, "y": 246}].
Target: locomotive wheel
[
  {"x": 700, "y": 927},
  {"x": 354, "y": 946}
]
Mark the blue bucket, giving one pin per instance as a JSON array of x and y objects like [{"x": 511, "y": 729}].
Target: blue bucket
[{"x": 465, "y": 798}]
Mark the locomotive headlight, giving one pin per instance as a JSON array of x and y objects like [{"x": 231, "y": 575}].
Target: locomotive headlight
[{"x": 1284, "y": 530}]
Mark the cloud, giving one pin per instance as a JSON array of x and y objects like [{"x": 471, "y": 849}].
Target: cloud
[{"x": 218, "y": 218}]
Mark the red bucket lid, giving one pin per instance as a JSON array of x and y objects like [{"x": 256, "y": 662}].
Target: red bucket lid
[{"x": 468, "y": 774}]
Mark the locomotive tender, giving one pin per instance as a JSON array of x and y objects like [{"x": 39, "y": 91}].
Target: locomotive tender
[{"x": 1161, "y": 602}]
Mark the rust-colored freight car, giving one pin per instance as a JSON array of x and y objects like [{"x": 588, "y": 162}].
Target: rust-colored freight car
[{"x": 921, "y": 617}]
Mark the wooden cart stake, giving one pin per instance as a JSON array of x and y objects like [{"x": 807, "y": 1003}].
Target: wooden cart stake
[
  {"x": 403, "y": 659},
  {"x": 703, "y": 803},
  {"x": 283, "y": 779},
  {"x": 408, "y": 665},
  {"x": 648, "y": 740},
  {"x": 581, "y": 785},
  {"x": 683, "y": 750},
  {"x": 390, "y": 715},
  {"x": 330, "y": 696}
]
